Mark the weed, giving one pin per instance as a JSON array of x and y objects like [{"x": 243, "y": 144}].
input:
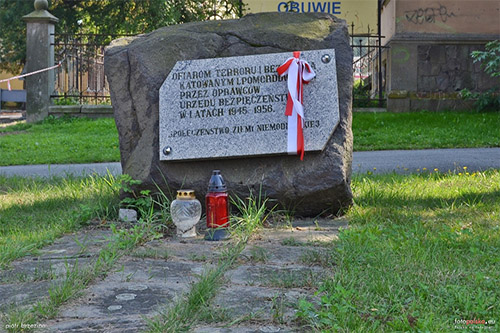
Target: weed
[
  {"x": 213, "y": 314},
  {"x": 82, "y": 244},
  {"x": 186, "y": 311},
  {"x": 150, "y": 253},
  {"x": 258, "y": 254},
  {"x": 291, "y": 241},
  {"x": 253, "y": 213},
  {"x": 291, "y": 279},
  {"x": 277, "y": 308},
  {"x": 316, "y": 257},
  {"x": 197, "y": 257}
]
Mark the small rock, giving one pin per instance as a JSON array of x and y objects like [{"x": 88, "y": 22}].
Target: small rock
[
  {"x": 114, "y": 307},
  {"x": 125, "y": 297},
  {"x": 127, "y": 215}
]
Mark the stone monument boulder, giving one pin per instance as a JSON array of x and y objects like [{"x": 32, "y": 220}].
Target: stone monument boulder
[{"x": 136, "y": 68}]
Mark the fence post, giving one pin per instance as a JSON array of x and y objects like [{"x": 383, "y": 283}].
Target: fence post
[{"x": 39, "y": 55}]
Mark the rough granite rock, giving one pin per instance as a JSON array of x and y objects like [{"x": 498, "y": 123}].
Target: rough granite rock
[{"x": 136, "y": 68}]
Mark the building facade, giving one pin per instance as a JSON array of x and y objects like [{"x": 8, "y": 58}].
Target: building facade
[{"x": 427, "y": 61}]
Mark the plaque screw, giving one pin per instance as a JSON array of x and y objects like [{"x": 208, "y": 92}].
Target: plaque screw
[
  {"x": 167, "y": 150},
  {"x": 325, "y": 58}
]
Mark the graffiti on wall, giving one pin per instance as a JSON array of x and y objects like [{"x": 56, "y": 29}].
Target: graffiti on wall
[{"x": 428, "y": 15}]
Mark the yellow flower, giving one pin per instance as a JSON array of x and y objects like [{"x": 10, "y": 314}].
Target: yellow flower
[
  {"x": 459, "y": 173},
  {"x": 424, "y": 169},
  {"x": 436, "y": 169},
  {"x": 465, "y": 168}
]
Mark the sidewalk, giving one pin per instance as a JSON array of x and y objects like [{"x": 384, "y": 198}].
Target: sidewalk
[
  {"x": 260, "y": 292},
  {"x": 385, "y": 161},
  {"x": 413, "y": 161}
]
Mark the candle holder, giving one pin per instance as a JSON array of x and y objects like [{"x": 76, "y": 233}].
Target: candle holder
[
  {"x": 217, "y": 203},
  {"x": 186, "y": 212}
]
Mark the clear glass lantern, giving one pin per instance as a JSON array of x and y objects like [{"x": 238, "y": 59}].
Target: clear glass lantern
[{"x": 186, "y": 212}]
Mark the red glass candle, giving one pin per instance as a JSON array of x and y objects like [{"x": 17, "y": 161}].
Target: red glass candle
[{"x": 217, "y": 202}]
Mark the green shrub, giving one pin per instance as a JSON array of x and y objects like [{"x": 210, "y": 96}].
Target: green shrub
[{"x": 490, "y": 62}]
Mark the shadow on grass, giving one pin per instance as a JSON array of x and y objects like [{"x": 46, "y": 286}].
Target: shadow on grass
[
  {"x": 35, "y": 212},
  {"x": 429, "y": 202}
]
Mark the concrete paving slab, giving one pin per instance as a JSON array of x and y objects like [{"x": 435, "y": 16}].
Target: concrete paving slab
[
  {"x": 139, "y": 287},
  {"x": 292, "y": 276},
  {"x": 299, "y": 236},
  {"x": 84, "y": 243},
  {"x": 189, "y": 249},
  {"x": 259, "y": 303},
  {"x": 15, "y": 295},
  {"x": 53, "y": 261},
  {"x": 267, "y": 252},
  {"x": 29, "y": 270},
  {"x": 29, "y": 279}
]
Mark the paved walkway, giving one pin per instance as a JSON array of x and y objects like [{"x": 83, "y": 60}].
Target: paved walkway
[
  {"x": 386, "y": 161},
  {"x": 411, "y": 161},
  {"x": 260, "y": 293}
]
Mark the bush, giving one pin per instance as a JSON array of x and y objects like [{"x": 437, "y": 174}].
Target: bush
[{"x": 490, "y": 62}]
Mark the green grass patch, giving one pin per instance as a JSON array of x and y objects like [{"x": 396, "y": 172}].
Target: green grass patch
[
  {"x": 83, "y": 140},
  {"x": 422, "y": 254},
  {"x": 56, "y": 141},
  {"x": 422, "y": 130},
  {"x": 34, "y": 212}
]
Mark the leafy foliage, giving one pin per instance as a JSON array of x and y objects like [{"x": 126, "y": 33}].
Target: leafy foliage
[
  {"x": 490, "y": 59},
  {"x": 103, "y": 17},
  {"x": 490, "y": 62},
  {"x": 13, "y": 33},
  {"x": 361, "y": 95}
]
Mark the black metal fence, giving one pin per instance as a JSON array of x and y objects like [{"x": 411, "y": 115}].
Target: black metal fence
[
  {"x": 368, "y": 71},
  {"x": 80, "y": 79}
]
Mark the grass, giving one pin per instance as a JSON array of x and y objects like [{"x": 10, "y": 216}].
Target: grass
[
  {"x": 422, "y": 130},
  {"x": 81, "y": 140},
  {"x": 421, "y": 254},
  {"x": 34, "y": 212},
  {"x": 56, "y": 141}
]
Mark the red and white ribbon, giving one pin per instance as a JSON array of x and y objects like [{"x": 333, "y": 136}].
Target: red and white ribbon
[{"x": 299, "y": 73}]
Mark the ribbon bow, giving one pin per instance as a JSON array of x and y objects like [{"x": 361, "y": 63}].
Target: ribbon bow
[{"x": 299, "y": 73}]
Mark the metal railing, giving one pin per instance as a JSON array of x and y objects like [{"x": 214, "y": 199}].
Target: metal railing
[
  {"x": 367, "y": 64},
  {"x": 80, "y": 79}
]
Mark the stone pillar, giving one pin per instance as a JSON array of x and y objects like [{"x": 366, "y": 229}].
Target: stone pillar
[{"x": 39, "y": 55}]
